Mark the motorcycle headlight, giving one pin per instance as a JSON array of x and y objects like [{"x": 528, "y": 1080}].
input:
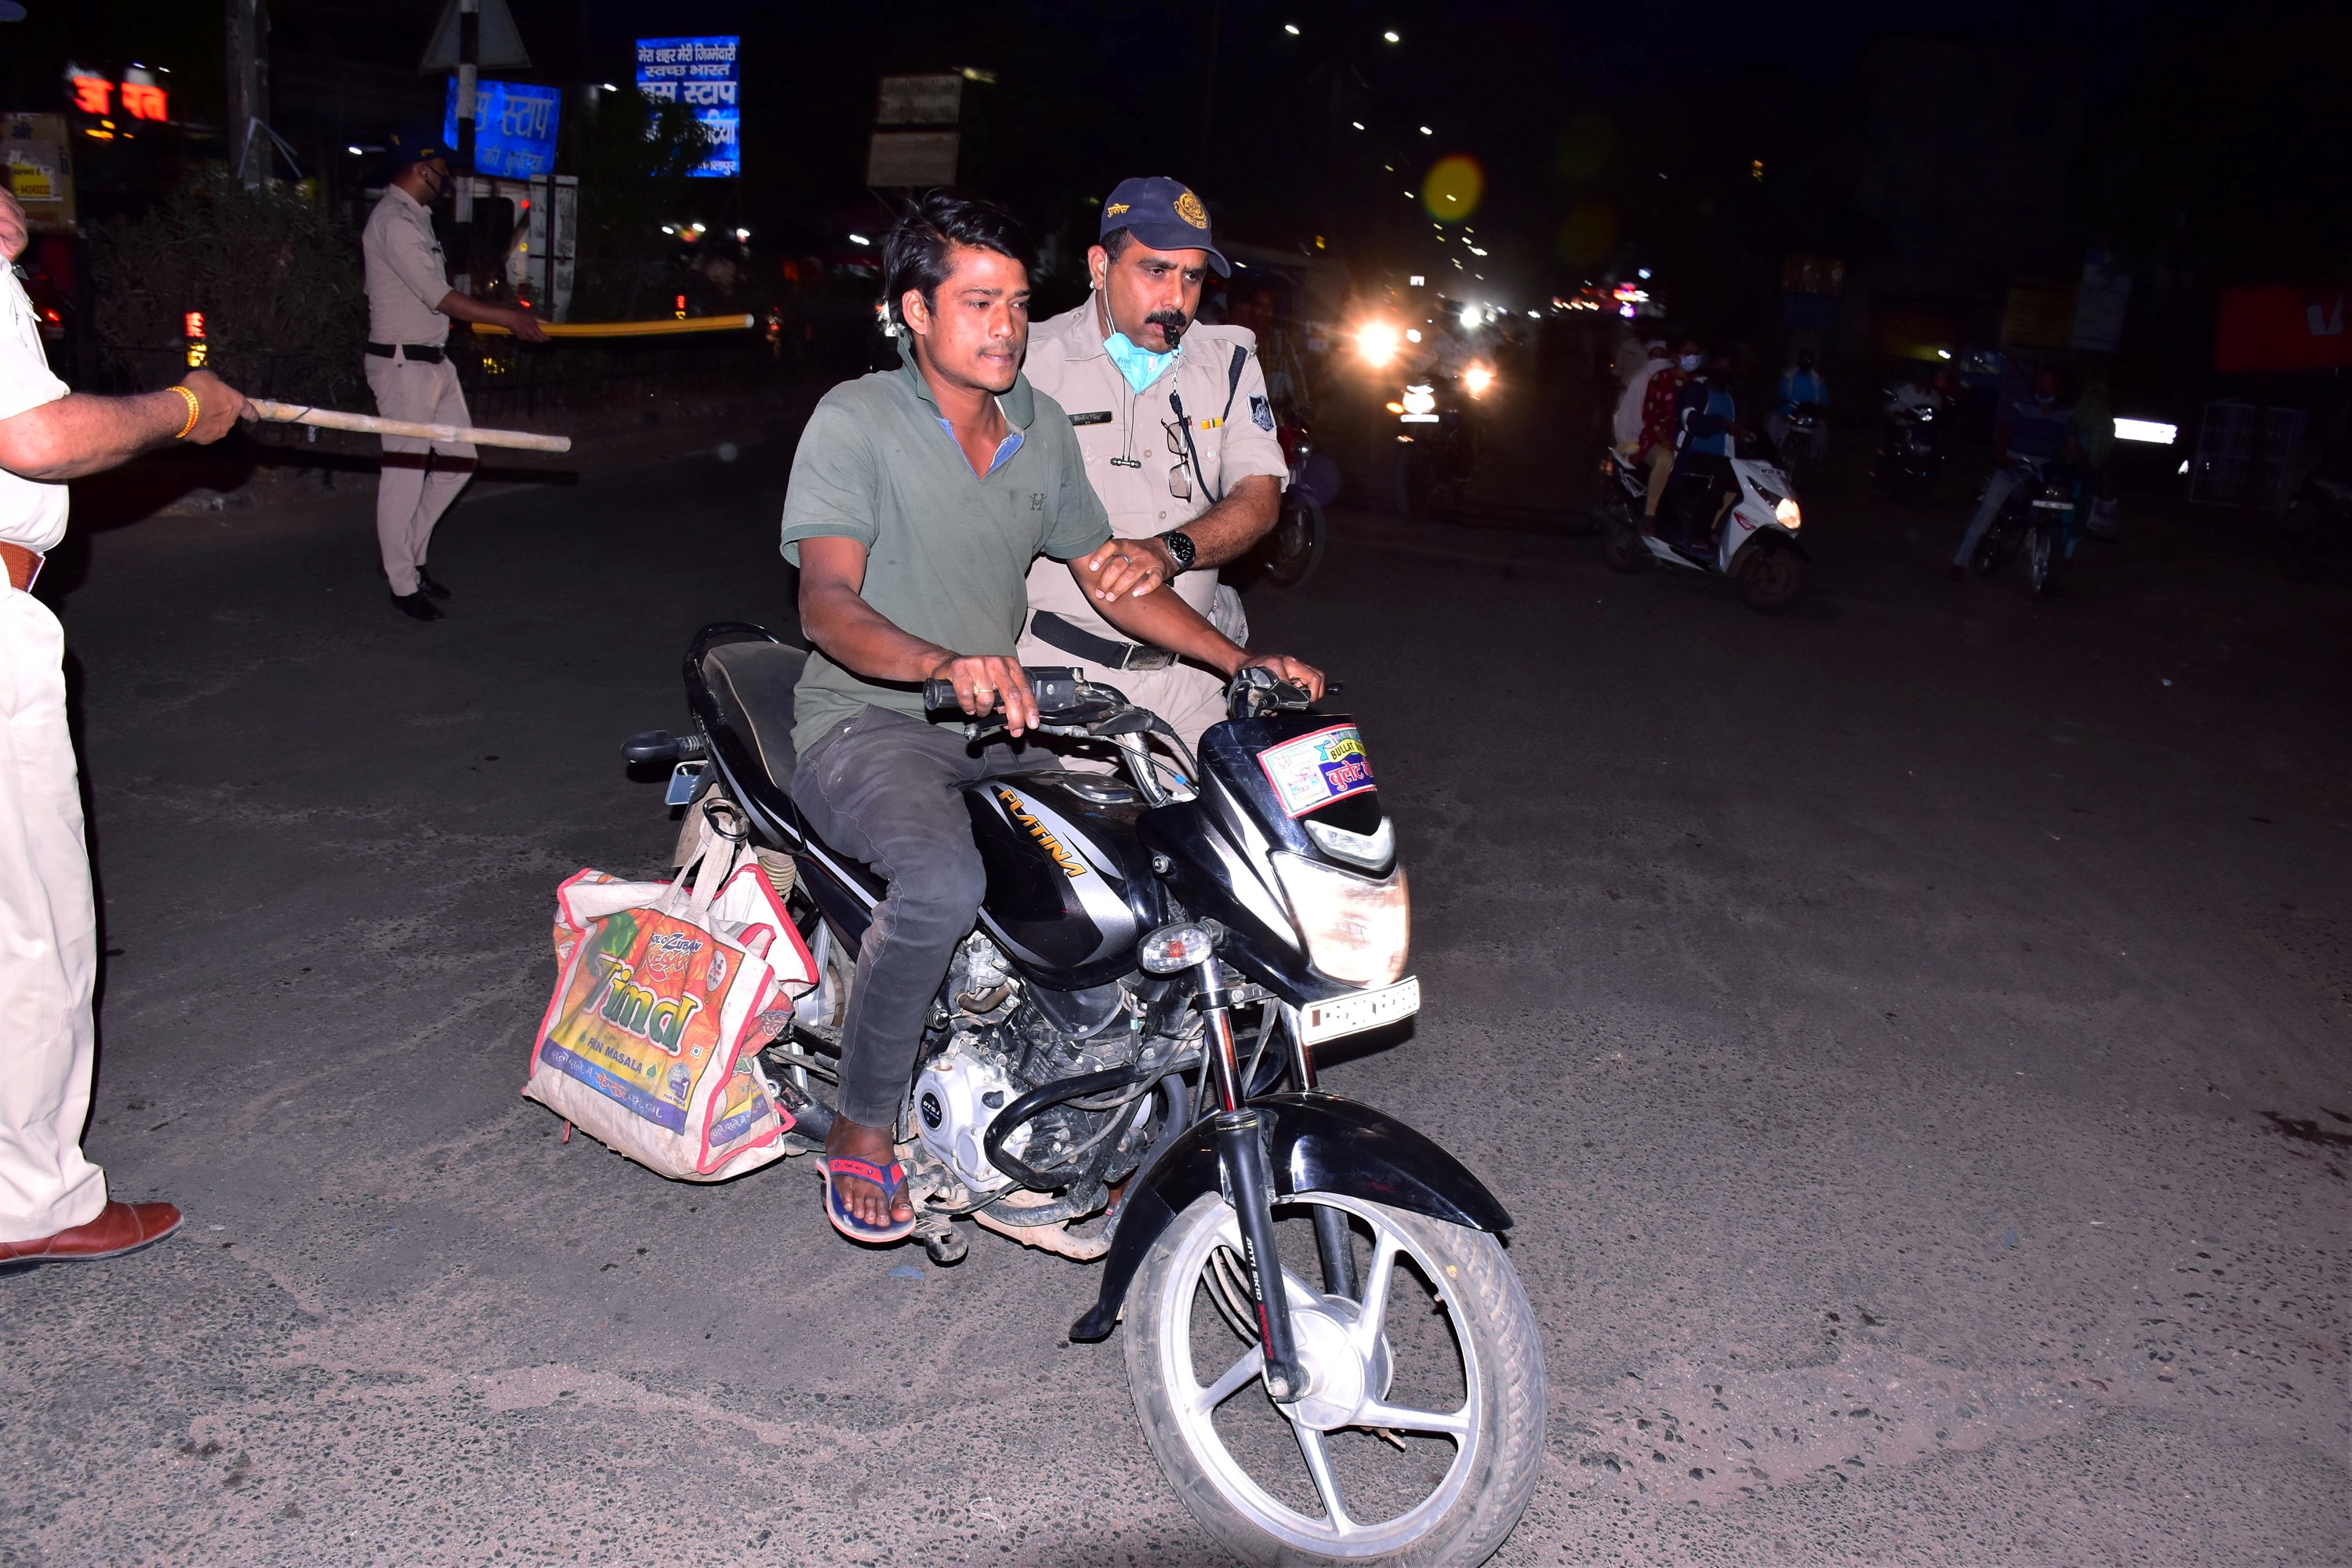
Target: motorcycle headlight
[
  {"x": 1787, "y": 513},
  {"x": 1357, "y": 929},
  {"x": 1420, "y": 400}
]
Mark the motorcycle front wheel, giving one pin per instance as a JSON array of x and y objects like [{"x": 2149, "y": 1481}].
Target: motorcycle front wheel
[
  {"x": 2041, "y": 557},
  {"x": 1420, "y": 1435},
  {"x": 1771, "y": 578}
]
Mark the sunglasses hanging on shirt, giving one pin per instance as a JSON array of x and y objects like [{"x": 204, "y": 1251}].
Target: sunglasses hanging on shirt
[{"x": 1180, "y": 474}]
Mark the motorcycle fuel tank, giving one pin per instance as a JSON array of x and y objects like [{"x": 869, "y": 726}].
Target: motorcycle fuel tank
[{"x": 1070, "y": 890}]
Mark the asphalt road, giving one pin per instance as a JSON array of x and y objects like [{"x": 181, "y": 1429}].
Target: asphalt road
[{"x": 1911, "y": 1033}]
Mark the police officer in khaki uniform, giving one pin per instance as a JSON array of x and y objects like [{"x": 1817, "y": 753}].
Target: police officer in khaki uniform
[
  {"x": 1178, "y": 436},
  {"x": 410, "y": 304}
]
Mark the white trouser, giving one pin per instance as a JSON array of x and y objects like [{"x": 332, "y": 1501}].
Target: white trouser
[
  {"x": 48, "y": 939},
  {"x": 408, "y": 499}
]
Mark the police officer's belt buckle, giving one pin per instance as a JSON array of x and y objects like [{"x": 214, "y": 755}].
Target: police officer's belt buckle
[{"x": 1057, "y": 633}]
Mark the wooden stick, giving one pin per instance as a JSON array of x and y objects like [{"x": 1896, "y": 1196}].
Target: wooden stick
[
  {"x": 369, "y": 425},
  {"x": 661, "y": 327}
]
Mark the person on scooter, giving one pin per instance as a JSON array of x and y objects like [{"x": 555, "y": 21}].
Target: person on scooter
[
  {"x": 918, "y": 498},
  {"x": 1707, "y": 421},
  {"x": 1800, "y": 384},
  {"x": 1662, "y": 423},
  {"x": 2031, "y": 428}
]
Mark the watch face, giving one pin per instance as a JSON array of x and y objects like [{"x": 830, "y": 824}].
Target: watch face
[{"x": 1180, "y": 546}]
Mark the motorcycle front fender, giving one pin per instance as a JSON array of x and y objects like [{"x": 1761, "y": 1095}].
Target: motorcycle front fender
[
  {"x": 1771, "y": 536},
  {"x": 1317, "y": 1143}
]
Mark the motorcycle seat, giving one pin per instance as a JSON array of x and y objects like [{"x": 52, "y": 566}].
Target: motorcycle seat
[{"x": 753, "y": 684}]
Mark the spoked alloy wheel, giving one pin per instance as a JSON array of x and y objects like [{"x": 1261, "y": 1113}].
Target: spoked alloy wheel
[
  {"x": 1295, "y": 548},
  {"x": 1421, "y": 1434}
]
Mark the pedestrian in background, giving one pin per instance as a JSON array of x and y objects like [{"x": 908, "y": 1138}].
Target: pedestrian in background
[
  {"x": 410, "y": 304},
  {"x": 53, "y": 1202}
]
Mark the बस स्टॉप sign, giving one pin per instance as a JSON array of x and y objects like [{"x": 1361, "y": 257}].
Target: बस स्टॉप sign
[{"x": 702, "y": 74}]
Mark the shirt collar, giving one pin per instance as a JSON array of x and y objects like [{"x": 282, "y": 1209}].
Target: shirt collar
[{"x": 1020, "y": 405}]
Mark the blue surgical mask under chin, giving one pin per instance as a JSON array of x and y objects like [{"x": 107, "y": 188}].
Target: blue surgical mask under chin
[{"x": 1140, "y": 368}]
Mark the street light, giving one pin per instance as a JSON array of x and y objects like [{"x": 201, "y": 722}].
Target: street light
[
  {"x": 1391, "y": 38},
  {"x": 1425, "y": 130},
  {"x": 1356, "y": 123},
  {"x": 1291, "y": 27}
]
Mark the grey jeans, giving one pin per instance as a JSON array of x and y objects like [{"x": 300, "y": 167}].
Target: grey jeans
[{"x": 885, "y": 788}]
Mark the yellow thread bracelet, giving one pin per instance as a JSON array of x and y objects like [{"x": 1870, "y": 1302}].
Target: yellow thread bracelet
[{"x": 194, "y": 409}]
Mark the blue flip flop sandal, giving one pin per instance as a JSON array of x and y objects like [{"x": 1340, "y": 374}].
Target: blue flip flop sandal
[{"x": 893, "y": 1182}]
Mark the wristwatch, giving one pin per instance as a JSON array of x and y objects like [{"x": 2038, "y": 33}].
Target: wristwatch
[{"x": 1180, "y": 545}]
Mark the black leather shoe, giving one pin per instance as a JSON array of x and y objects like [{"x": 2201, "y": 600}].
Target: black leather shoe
[
  {"x": 416, "y": 606},
  {"x": 428, "y": 587}
]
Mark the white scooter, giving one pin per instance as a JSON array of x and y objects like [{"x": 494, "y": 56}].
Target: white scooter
[{"x": 1754, "y": 543}]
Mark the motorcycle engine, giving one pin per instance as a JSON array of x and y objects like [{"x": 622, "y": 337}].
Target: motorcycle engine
[{"x": 1002, "y": 1042}]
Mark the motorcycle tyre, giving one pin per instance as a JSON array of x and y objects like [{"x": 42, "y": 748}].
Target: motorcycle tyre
[
  {"x": 1295, "y": 549},
  {"x": 1510, "y": 1355},
  {"x": 1771, "y": 579},
  {"x": 2040, "y": 559}
]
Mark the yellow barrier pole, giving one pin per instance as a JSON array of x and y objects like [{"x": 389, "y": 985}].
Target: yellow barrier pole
[{"x": 655, "y": 329}]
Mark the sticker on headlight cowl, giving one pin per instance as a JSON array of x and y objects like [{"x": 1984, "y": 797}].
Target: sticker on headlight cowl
[{"x": 1314, "y": 770}]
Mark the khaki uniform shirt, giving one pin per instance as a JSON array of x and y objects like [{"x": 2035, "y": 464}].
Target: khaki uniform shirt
[
  {"x": 32, "y": 514},
  {"x": 1123, "y": 435},
  {"x": 405, "y": 274}
]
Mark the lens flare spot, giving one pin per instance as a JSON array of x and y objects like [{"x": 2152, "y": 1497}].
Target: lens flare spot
[{"x": 1453, "y": 187}]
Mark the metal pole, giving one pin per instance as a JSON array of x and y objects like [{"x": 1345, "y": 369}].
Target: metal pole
[{"x": 469, "y": 54}]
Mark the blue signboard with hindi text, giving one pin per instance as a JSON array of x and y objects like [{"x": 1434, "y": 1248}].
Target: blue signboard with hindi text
[
  {"x": 701, "y": 73},
  {"x": 514, "y": 127}
]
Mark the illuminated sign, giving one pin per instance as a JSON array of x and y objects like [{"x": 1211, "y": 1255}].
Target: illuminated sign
[
  {"x": 514, "y": 127},
  {"x": 142, "y": 99},
  {"x": 702, "y": 74}
]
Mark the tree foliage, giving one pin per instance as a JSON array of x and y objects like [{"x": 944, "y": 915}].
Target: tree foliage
[
  {"x": 277, "y": 279},
  {"x": 635, "y": 157}
]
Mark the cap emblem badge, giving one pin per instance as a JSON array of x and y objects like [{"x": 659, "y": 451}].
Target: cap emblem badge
[
  {"x": 1114, "y": 210},
  {"x": 1189, "y": 208}
]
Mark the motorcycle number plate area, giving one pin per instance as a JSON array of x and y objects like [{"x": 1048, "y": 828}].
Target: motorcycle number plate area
[
  {"x": 683, "y": 779},
  {"x": 1353, "y": 1014}
]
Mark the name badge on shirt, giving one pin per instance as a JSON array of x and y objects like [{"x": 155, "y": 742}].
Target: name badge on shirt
[{"x": 1102, "y": 417}]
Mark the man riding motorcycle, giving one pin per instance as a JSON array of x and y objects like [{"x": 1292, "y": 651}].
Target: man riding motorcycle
[
  {"x": 1177, "y": 431},
  {"x": 1707, "y": 419},
  {"x": 918, "y": 499},
  {"x": 2029, "y": 430}
]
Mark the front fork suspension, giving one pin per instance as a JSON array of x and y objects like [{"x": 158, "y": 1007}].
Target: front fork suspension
[{"x": 1249, "y": 1186}]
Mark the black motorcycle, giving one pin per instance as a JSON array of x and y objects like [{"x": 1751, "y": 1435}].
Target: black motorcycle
[
  {"x": 1908, "y": 455},
  {"x": 1436, "y": 447},
  {"x": 1330, "y": 1353},
  {"x": 2039, "y": 520}
]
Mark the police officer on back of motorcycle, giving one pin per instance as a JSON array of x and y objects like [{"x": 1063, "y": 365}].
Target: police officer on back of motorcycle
[{"x": 1177, "y": 431}]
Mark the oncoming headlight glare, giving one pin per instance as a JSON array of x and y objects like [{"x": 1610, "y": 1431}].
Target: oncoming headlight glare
[
  {"x": 1357, "y": 929},
  {"x": 1376, "y": 342},
  {"x": 1420, "y": 400},
  {"x": 1478, "y": 378}
]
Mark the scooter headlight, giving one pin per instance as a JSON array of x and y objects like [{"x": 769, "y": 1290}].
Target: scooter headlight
[
  {"x": 1787, "y": 513},
  {"x": 1357, "y": 928}
]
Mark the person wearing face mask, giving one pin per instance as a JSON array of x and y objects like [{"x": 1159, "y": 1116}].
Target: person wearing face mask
[
  {"x": 2032, "y": 430},
  {"x": 410, "y": 306},
  {"x": 1177, "y": 433}
]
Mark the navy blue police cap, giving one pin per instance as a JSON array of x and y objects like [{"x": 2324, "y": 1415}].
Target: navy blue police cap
[
  {"x": 414, "y": 144},
  {"x": 1164, "y": 215}
]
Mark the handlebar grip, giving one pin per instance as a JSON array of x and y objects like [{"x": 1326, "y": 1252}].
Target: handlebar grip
[{"x": 940, "y": 695}]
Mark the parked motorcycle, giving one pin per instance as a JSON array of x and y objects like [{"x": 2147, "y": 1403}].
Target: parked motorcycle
[
  {"x": 2315, "y": 530},
  {"x": 1437, "y": 442},
  {"x": 2039, "y": 520},
  {"x": 1754, "y": 543},
  {"x": 1331, "y": 1356}
]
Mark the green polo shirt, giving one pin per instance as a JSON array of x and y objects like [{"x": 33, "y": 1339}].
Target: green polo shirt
[{"x": 946, "y": 551}]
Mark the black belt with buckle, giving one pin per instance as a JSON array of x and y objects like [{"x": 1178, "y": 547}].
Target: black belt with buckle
[
  {"x": 1054, "y": 632},
  {"x": 421, "y": 353}
]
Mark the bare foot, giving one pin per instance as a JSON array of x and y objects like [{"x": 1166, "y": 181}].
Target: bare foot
[{"x": 862, "y": 1198}]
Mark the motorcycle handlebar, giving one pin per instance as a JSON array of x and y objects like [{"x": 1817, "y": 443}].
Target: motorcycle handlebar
[{"x": 1054, "y": 687}]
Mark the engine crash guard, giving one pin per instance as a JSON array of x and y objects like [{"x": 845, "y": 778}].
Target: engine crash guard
[{"x": 1317, "y": 1143}]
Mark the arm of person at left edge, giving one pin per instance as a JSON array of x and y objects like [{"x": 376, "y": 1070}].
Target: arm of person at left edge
[
  {"x": 84, "y": 433},
  {"x": 1163, "y": 619}
]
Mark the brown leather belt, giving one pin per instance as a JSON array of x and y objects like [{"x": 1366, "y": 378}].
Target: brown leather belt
[{"x": 23, "y": 565}]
